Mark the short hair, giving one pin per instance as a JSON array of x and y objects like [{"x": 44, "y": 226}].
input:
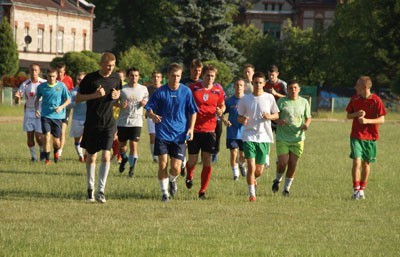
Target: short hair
[
  {"x": 209, "y": 67},
  {"x": 130, "y": 70},
  {"x": 292, "y": 81},
  {"x": 366, "y": 80},
  {"x": 258, "y": 74},
  {"x": 107, "y": 57},
  {"x": 82, "y": 73},
  {"x": 34, "y": 64},
  {"x": 121, "y": 71},
  {"x": 248, "y": 65},
  {"x": 156, "y": 72},
  {"x": 273, "y": 68},
  {"x": 196, "y": 63},
  {"x": 51, "y": 70},
  {"x": 60, "y": 65},
  {"x": 236, "y": 80},
  {"x": 174, "y": 67}
]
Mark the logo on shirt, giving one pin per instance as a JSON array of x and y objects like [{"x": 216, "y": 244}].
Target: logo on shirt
[{"x": 205, "y": 97}]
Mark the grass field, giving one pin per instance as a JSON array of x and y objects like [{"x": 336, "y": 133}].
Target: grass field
[{"x": 43, "y": 210}]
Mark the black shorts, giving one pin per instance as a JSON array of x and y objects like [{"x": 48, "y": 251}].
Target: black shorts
[
  {"x": 96, "y": 139},
  {"x": 67, "y": 114},
  {"x": 174, "y": 150},
  {"x": 129, "y": 133},
  {"x": 234, "y": 144},
  {"x": 51, "y": 125},
  {"x": 202, "y": 141}
]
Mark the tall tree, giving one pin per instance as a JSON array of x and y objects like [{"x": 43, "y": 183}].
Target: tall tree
[
  {"x": 9, "y": 61},
  {"x": 201, "y": 29}
]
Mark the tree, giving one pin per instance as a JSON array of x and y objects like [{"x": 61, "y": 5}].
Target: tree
[
  {"x": 224, "y": 75},
  {"x": 201, "y": 29},
  {"x": 133, "y": 22},
  {"x": 9, "y": 61},
  {"x": 76, "y": 62},
  {"x": 243, "y": 38},
  {"x": 134, "y": 57}
]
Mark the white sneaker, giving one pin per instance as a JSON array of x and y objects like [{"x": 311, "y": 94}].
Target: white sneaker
[
  {"x": 101, "y": 198},
  {"x": 355, "y": 194},
  {"x": 361, "y": 195}
]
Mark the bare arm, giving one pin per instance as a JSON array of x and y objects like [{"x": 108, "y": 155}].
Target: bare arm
[
  {"x": 192, "y": 121},
  {"x": 306, "y": 124},
  {"x": 379, "y": 120},
  {"x": 97, "y": 94},
  {"x": 65, "y": 104}
]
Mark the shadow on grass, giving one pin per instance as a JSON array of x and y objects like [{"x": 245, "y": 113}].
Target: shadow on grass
[{"x": 54, "y": 173}]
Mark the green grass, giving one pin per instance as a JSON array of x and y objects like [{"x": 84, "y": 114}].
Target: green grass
[{"x": 43, "y": 210}]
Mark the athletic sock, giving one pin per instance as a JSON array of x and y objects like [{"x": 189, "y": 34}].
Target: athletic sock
[
  {"x": 205, "y": 178},
  {"x": 252, "y": 190},
  {"x": 164, "y": 186},
  {"x": 278, "y": 176},
  {"x": 78, "y": 149},
  {"x": 132, "y": 160},
  {"x": 152, "y": 149},
  {"x": 235, "y": 171},
  {"x": 288, "y": 183},
  {"x": 33, "y": 151},
  {"x": 115, "y": 147},
  {"x": 103, "y": 174},
  {"x": 190, "y": 171},
  {"x": 363, "y": 185},
  {"x": 356, "y": 185},
  {"x": 59, "y": 152},
  {"x": 123, "y": 155},
  {"x": 90, "y": 171}
]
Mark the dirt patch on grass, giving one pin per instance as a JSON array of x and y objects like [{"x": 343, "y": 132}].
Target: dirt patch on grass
[{"x": 11, "y": 119}]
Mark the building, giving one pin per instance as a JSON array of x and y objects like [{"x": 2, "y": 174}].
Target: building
[
  {"x": 270, "y": 16},
  {"x": 45, "y": 29}
]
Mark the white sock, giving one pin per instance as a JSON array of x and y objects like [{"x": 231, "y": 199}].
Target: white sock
[
  {"x": 288, "y": 183},
  {"x": 33, "y": 152},
  {"x": 103, "y": 174},
  {"x": 90, "y": 170},
  {"x": 152, "y": 149},
  {"x": 78, "y": 149},
  {"x": 235, "y": 171},
  {"x": 252, "y": 190},
  {"x": 59, "y": 152},
  {"x": 278, "y": 176},
  {"x": 164, "y": 186}
]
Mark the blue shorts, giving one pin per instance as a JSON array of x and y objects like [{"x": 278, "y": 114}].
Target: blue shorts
[
  {"x": 53, "y": 126},
  {"x": 173, "y": 149},
  {"x": 234, "y": 144}
]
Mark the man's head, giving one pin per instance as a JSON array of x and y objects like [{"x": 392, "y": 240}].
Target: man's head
[
  {"x": 258, "y": 81},
  {"x": 156, "y": 77},
  {"x": 293, "y": 89},
  {"x": 209, "y": 74},
  {"x": 133, "y": 75},
  {"x": 60, "y": 67},
  {"x": 51, "y": 76},
  {"x": 107, "y": 64},
  {"x": 248, "y": 72},
  {"x": 363, "y": 86},
  {"x": 174, "y": 74},
  {"x": 34, "y": 71},
  {"x": 196, "y": 67}
]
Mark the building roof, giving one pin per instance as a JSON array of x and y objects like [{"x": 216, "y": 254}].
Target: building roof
[{"x": 70, "y": 6}]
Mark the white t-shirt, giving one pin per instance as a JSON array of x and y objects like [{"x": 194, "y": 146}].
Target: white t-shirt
[
  {"x": 257, "y": 129},
  {"x": 28, "y": 91},
  {"x": 132, "y": 115}
]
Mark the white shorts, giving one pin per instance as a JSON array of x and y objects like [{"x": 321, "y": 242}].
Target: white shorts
[
  {"x": 32, "y": 124},
  {"x": 151, "y": 126},
  {"x": 76, "y": 129}
]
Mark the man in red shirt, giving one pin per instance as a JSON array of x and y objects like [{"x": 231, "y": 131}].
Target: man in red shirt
[
  {"x": 69, "y": 83},
  {"x": 367, "y": 111},
  {"x": 209, "y": 98}
]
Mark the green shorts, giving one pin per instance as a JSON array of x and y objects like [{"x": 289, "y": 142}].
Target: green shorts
[
  {"x": 363, "y": 149},
  {"x": 258, "y": 151},
  {"x": 283, "y": 147}
]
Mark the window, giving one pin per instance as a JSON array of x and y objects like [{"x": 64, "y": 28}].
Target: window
[
  {"x": 51, "y": 41},
  {"x": 73, "y": 40},
  {"x": 60, "y": 39},
  {"x": 273, "y": 7},
  {"x": 40, "y": 40},
  {"x": 273, "y": 29},
  {"x": 266, "y": 7},
  {"x": 84, "y": 41}
]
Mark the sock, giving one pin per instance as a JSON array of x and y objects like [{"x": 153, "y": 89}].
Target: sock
[
  {"x": 152, "y": 149},
  {"x": 41, "y": 148},
  {"x": 278, "y": 176},
  {"x": 33, "y": 151},
  {"x": 164, "y": 186},
  {"x": 205, "y": 178},
  {"x": 115, "y": 147},
  {"x": 235, "y": 171},
  {"x": 47, "y": 155},
  {"x": 103, "y": 174},
  {"x": 288, "y": 183},
  {"x": 356, "y": 185},
  {"x": 78, "y": 149},
  {"x": 59, "y": 151},
  {"x": 363, "y": 185},
  {"x": 184, "y": 162},
  {"x": 252, "y": 190},
  {"x": 123, "y": 155},
  {"x": 132, "y": 160},
  {"x": 172, "y": 178},
  {"x": 190, "y": 171},
  {"x": 90, "y": 170}
]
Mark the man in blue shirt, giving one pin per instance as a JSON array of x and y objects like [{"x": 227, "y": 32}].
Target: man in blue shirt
[
  {"x": 55, "y": 98},
  {"x": 173, "y": 110}
]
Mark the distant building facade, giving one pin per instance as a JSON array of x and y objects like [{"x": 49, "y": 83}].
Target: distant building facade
[
  {"x": 270, "y": 16},
  {"x": 45, "y": 29}
]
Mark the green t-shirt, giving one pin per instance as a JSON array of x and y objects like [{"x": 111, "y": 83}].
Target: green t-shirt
[{"x": 295, "y": 113}]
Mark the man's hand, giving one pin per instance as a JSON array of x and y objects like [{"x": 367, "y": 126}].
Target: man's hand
[
  {"x": 115, "y": 94},
  {"x": 100, "y": 91}
]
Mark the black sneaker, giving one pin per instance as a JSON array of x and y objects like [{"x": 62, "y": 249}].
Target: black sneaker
[
  {"x": 235, "y": 178},
  {"x": 33, "y": 159},
  {"x": 202, "y": 195},
  {"x": 189, "y": 183},
  {"x": 131, "y": 173},
  {"x": 101, "y": 198},
  {"x": 42, "y": 156},
  {"x": 122, "y": 165},
  {"x": 183, "y": 169},
  {"x": 90, "y": 196},
  {"x": 164, "y": 198},
  {"x": 286, "y": 193},
  {"x": 173, "y": 188},
  {"x": 275, "y": 186}
]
